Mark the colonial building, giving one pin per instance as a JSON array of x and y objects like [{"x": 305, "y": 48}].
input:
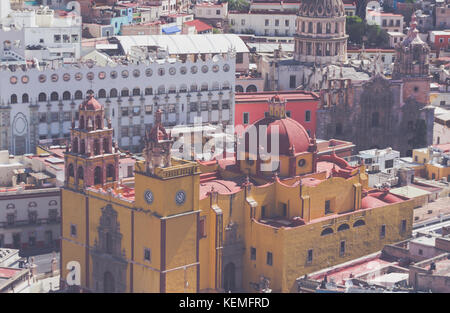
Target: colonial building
[
  {"x": 371, "y": 113},
  {"x": 228, "y": 225},
  {"x": 184, "y": 79}
]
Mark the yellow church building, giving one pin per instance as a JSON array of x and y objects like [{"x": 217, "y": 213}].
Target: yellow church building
[{"x": 221, "y": 225}]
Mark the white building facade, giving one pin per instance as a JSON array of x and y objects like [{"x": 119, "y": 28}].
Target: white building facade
[{"x": 39, "y": 104}]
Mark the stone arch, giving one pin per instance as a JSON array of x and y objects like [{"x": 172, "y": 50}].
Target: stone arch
[
  {"x": 13, "y": 98},
  {"x": 326, "y": 231},
  {"x": 80, "y": 172},
  {"x": 111, "y": 171},
  {"x": 75, "y": 145},
  {"x": 98, "y": 122},
  {"x": 359, "y": 223},
  {"x": 251, "y": 88},
  {"x": 239, "y": 88},
  {"x": 343, "y": 227},
  {"x": 78, "y": 95},
  {"x": 102, "y": 93},
  {"x": 71, "y": 170},
  {"x": 113, "y": 93},
  {"x": 66, "y": 95},
  {"x": 98, "y": 175},
  {"x": 54, "y": 96},
  {"x": 25, "y": 98},
  {"x": 82, "y": 146},
  {"x": 96, "y": 146},
  {"x": 106, "y": 145},
  {"x": 42, "y": 97}
]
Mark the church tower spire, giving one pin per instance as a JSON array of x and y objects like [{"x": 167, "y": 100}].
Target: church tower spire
[{"x": 91, "y": 158}]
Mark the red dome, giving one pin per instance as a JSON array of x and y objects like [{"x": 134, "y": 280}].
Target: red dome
[
  {"x": 290, "y": 132},
  {"x": 91, "y": 104}
]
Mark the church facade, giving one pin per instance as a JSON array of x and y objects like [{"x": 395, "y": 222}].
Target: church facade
[
  {"x": 220, "y": 225},
  {"x": 358, "y": 103}
]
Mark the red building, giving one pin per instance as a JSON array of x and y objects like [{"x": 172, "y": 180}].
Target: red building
[{"x": 301, "y": 106}]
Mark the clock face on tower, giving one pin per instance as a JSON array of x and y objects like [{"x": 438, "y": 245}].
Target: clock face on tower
[
  {"x": 180, "y": 197},
  {"x": 148, "y": 197}
]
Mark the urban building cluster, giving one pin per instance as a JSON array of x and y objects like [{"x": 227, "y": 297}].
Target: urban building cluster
[{"x": 101, "y": 103}]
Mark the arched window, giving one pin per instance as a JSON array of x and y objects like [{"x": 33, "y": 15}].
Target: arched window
[
  {"x": 136, "y": 92},
  {"x": 75, "y": 145},
  {"x": 303, "y": 27},
  {"x": 102, "y": 93},
  {"x": 251, "y": 88},
  {"x": 125, "y": 92},
  {"x": 343, "y": 227},
  {"x": 226, "y": 86},
  {"x": 172, "y": 89},
  {"x": 326, "y": 231},
  {"x": 42, "y": 97},
  {"x": 97, "y": 175},
  {"x": 81, "y": 125},
  {"x": 54, "y": 96},
  {"x": 359, "y": 223},
  {"x": 194, "y": 87},
  {"x": 66, "y": 95},
  {"x": 98, "y": 122},
  {"x": 215, "y": 86},
  {"x": 13, "y": 99},
  {"x": 183, "y": 88},
  {"x": 71, "y": 171},
  {"x": 96, "y": 147},
  {"x": 161, "y": 90},
  {"x": 319, "y": 28},
  {"x": 204, "y": 87},
  {"x": 310, "y": 27},
  {"x": 113, "y": 93},
  {"x": 239, "y": 88},
  {"x": 336, "y": 30},
  {"x": 148, "y": 91},
  {"x": 80, "y": 173},
  {"x": 328, "y": 28},
  {"x": 82, "y": 147},
  {"x": 25, "y": 98},
  {"x": 78, "y": 95},
  {"x": 106, "y": 145},
  {"x": 307, "y": 116},
  {"x": 110, "y": 172}
]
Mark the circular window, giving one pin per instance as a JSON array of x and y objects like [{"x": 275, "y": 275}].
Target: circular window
[
  {"x": 148, "y": 72},
  {"x": 54, "y": 77},
  {"x": 25, "y": 79},
  {"x": 113, "y": 74},
  {"x": 42, "y": 78},
  {"x": 13, "y": 80},
  {"x": 125, "y": 74},
  {"x": 194, "y": 69},
  {"x": 301, "y": 162},
  {"x": 183, "y": 70},
  {"x": 149, "y": 196},
  {"x": 66, "y": 77},
  {"x": 90, "y": 76},
  {"x": 215, "y": 68},
  {"x": 102, "y": 75},
  {"x": 136, "y": 73},
  {"x": 78, "y": 76},
  {"x": 172, "y": 71},
  {"x": 161, "y": 71},
  {"x": 205, "y": 69},
  {"x": 226, "y": 67}
]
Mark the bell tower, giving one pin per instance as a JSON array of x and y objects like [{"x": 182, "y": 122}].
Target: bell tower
[
  {"x": 157, "y": 146},
  {"x": 412, "y": 65},
  {"x": 91, "y": 159}
]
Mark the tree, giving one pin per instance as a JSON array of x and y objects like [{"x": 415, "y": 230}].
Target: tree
[
  {"x": 357, "y": 29},
  {"x": 238, "y": 5}
]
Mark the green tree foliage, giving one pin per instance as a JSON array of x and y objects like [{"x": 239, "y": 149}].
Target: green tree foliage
[
  {"x": 238, "y": 5},
  {"x": 357, "y": 29}
]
